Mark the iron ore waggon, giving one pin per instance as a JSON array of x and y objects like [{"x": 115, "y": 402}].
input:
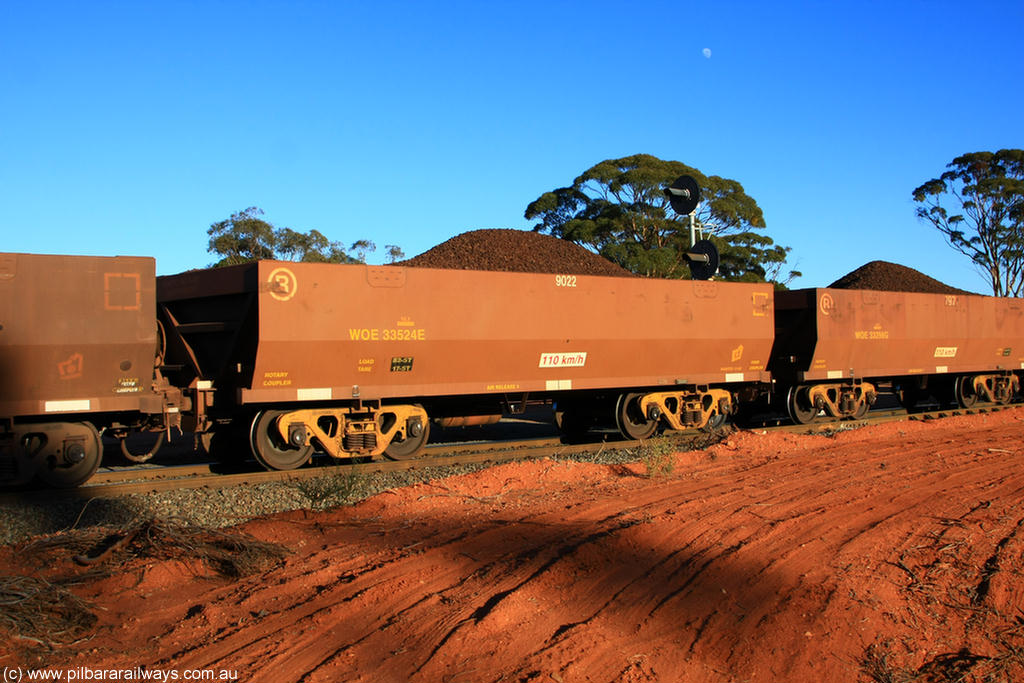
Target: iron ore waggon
[
  {"x": 834, "y": 345},
  {"x": 358, "y": 360}
]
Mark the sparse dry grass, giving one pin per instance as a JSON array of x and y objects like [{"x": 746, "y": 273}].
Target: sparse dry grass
[
  {"x": 228, "y": 553},
  {"x": 329, "y": 491},
  {"x": 36, "y": 610},
  {"x": 658, "y": 457}
]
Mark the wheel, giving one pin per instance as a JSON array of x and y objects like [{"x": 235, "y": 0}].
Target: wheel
[
  {"x": 269, "y": 449},
  {"x": 799, "y": 405},
  {"x": 410, "y": 446},
  {"x": 142, "y": 457},
  {"x": 632, "y": 423},
  {"x": 862, "y": 410},
  {"x": 77, "y": 462},
  {"x": 966, "y": 396},
  {"x": 714, "y": 422}
]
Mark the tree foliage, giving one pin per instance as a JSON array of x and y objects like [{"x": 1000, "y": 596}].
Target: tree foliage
[
  {"x": 618, "y": 209},
  {"x": 245, "y": 236},
  {"x": 986, "y": 193},
  {"x": 362, "y": 248},
  {"x": 394, "y": 252}
]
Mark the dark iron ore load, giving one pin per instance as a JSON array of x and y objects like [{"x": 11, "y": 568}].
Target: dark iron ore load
[
  {"x": 892, "y": 277},
  {"x": 523, "y": 251},
  {"x": 517, "y": 251}
]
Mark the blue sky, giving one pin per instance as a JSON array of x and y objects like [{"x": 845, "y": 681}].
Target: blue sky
[{"x": 128, "y": 128}]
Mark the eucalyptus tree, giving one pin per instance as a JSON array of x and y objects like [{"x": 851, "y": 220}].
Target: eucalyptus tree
[
  {"x": 618, "y": 208},
  {"x": 246, "y": 236},
  {"x": 985, "y": 219}
]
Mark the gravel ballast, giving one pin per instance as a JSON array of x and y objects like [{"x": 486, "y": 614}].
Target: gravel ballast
[
  {"x": 207, "y": 507},
  {"x": 217, "y": 508}
]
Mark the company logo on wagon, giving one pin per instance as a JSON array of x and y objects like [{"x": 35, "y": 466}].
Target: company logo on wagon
[
  {"x": 282, "y": 284},
  {"x": 573, "y": 359},
  {"x": 827, "y": 304}
]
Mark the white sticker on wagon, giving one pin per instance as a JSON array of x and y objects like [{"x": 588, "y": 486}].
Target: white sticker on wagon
[
  {"x": 835, "y": 374},
  {"x": 558, "y": 384},
  {"x": 941, "y": 368},
  {"x": 313, "y": 394},
  {"x": 945, "y": 351},
  {"x": 734, "y": 377},
  {"x": 572, "y": 359},
  {"x": 67, "y": 406}
]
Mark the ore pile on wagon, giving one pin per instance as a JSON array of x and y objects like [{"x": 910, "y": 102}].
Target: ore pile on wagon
[
  {"x": 517, "y": 251},
  {"x": 892, "y": 277}
]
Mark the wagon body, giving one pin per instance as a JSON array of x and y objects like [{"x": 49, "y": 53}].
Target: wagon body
[
  {"x": 276, "y": 332},
  {"x": 826, "y": 334}
]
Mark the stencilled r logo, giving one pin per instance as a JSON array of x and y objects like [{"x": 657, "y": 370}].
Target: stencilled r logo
[
  {"x": 827, "y": 304},
  {"x": 282, "y": 284}
]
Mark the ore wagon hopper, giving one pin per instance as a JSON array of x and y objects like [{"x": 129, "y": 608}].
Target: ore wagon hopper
[
  {"x": 832, "y": 345},
  {"x": 358, "y": 360}
]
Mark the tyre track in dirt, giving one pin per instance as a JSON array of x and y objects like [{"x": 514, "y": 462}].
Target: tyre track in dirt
[{"x": 764, "y": 558}]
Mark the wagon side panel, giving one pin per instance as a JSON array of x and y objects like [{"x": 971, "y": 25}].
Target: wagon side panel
[
  {"x": 330, "y": 332},
  {"x": 77, "y": 333}
]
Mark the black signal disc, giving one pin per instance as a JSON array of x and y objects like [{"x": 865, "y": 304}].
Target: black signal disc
[
  {"x": 686, "y": 195},
  {"x": 700, "y": 270}
]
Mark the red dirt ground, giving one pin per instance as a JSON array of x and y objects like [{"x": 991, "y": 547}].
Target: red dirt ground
[{"x": 889, "y": 553}]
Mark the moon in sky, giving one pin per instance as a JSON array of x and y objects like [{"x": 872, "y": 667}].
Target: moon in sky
[{"x": 707, "y": 52}]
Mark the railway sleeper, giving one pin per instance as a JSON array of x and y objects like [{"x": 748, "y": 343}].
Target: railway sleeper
[
  {"x": 692, "y": 408},
  {"x": 357, "y": 431}
]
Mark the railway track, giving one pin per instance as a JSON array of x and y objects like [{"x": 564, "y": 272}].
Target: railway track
[{"x": 156, "y": 478}]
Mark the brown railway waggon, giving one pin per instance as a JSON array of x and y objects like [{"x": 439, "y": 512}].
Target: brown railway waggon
[
  {"x": 358, "y": 360},
  {"x": 281, "y": 359},
  {"x": 833, "y": 346}
]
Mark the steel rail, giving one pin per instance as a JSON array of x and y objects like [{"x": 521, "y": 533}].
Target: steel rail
[
  {"x": 154, "y": 479},
  {"x": 149, "y": 471}
]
